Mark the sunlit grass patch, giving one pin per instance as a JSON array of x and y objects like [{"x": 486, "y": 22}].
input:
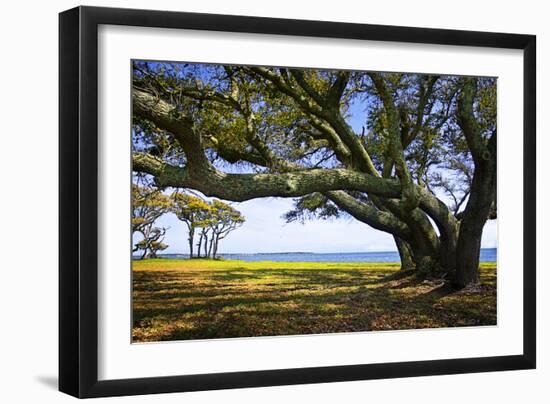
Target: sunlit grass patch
[
  {"x": 199, "y": 299},
  {"x": 161, "y": 264}
]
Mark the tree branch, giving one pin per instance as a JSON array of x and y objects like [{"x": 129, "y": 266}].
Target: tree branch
[
  {"x": 361, "y": 158},
  {"x": 370, "y": 215},
  {"x": 302, "y": 82},
  {"x": 425, "y": 94},
  {"x": 468, "y": 123},
  {"x": 395, "y": 147},
  {"x": 167, "y": 117},
  {"x": 242, "y": 187},
  {"x": 337, "y": 89}
]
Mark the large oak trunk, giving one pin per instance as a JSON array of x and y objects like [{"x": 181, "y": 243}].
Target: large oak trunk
[
  {"x": 469, "y": 240},
  {"x": 405, "y": 254},
  {"x": 482, "y": 199},
  {"x": 467, "y": 257}
]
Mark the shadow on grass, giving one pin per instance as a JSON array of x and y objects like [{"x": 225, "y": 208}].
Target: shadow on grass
[{"x": 176, "y": 305}]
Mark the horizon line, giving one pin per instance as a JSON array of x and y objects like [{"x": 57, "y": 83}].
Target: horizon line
[{"x": 306, "y": 252}]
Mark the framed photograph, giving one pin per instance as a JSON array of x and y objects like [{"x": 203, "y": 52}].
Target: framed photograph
[{"x": 251, "y": 201}]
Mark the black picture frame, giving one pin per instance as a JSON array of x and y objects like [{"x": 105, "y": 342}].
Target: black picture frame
[{"x": 78, "y": 206}]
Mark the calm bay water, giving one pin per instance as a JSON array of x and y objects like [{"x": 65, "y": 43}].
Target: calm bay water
[{"x": 487, "y": 255}]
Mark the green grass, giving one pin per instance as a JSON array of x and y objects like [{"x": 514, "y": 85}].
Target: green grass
[{"x": 202, "y": 299}]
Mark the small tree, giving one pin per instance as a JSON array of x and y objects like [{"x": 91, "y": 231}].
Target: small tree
[
  {"x": 212, "y": 220},
  {"x": 190, "y": 210},
  {"x": 225, "y": 219},
  {"x": 148, "y": 205},
  {"x": 205, "y": 222},
  {"x": 152, "y": 242}
]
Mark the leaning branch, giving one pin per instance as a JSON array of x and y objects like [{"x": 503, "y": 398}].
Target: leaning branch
[
  {"x": 361, "y": 159},
  {"x": 468, "y": 123},
  {"x": 395, "y": 148},
  {"x": 242, "y": 187},
  {"x": 378, "y": 219}
]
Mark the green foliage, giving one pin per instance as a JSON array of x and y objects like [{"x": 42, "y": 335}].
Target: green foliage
[
  {"x": 189, "y": 208},
  {"x": 214, "y": 220},
  {"x": 148, "y": 205},
  {"x": 486, "y": 107},
  {"x": 312, "y": 206}
]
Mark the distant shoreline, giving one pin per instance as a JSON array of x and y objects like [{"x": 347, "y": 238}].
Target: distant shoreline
[
  {"x": 486, "y": 255},
  {"x": 305, "y": 252}
]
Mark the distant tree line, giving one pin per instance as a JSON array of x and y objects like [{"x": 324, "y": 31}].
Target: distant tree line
[{"x": 208, "y": 222}]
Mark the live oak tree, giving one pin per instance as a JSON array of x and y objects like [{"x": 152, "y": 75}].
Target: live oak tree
[
  {"x": 423, "y": 167},
  {"x": 148, "y": 205}
]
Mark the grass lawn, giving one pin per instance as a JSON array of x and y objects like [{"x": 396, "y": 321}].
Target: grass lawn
[{"x": 202, "y": 299}]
